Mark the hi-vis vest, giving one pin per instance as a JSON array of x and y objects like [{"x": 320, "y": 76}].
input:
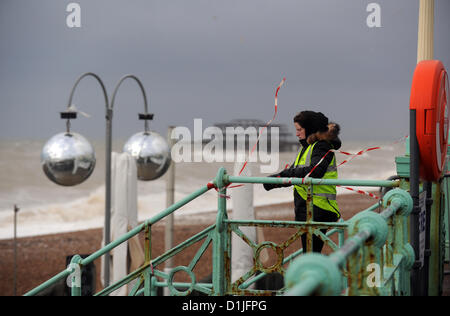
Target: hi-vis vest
[{"x": 324, "y": 196}]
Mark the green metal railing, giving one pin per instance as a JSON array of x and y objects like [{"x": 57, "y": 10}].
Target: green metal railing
[
  {"x": 150, "y": 276},
  {"x": 377, "y": 255}
]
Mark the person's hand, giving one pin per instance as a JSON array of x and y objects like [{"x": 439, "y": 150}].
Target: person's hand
[{"x": 270, "y": 186}]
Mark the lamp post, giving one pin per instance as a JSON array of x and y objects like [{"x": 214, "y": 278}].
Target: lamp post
[
  {"x": 69, "y": 159},
  {"x": 16, "y": 210}
]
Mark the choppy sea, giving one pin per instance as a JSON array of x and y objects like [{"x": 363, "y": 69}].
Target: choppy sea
[{"x": 46, "y": 208}]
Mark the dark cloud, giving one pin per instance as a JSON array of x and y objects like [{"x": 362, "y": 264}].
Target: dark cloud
[{"x": 216, "y": 60}]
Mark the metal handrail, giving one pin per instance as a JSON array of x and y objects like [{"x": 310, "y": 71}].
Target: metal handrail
[
  {"x": 120, "y": 240},
  {"x": 220, "y": 183}
]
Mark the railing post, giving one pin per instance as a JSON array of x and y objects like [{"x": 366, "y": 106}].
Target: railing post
[
  {"x": 341, "y": 241},
  {"x": 354, "y": 266},
  {"x": 402, "y": 249},
  {"x": 221, "y": 269},
  {"x": 149, "y": 283},
  {"x": 372, "y": 270},
  {"x": 390, "y": 252},
  {"x": 368, "y": 276},
  {"x": 390, "y": 242},
  {"x": 75, "y": 281},
  {"x": 436, "y": 258},
  {"x": 309, "y": 218},
  {"x": 148, "y": 243},
  {"x": 428, "y": 187},
  {"x": 148, "y": 256}
]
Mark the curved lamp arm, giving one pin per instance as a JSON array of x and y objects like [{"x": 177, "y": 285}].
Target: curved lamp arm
[
  {"x": 105, "y": 94},
  {"x": 142, "y": 90}
]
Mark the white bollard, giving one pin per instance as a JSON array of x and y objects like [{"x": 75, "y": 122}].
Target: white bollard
[{"x": 242, "y": 205}]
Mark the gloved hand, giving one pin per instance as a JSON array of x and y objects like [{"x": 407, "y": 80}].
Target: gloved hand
[{"x": 270, "y": 186}]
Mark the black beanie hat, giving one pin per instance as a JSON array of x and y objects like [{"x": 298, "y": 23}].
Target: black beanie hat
[{"x": 312, "y": 122}]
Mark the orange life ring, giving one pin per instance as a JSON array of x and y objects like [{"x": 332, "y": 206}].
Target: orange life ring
[{"x": 429, "y": 97}]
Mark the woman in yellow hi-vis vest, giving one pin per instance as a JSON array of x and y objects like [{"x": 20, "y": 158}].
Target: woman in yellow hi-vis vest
[{"x": 317, "y": 136}]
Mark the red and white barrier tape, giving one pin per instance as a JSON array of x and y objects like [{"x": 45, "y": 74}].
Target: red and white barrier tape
[
  {"x": 367, "y": 150},
  {"x": 268, "y": 123},
  {"x": 360, "y": 192},
  {"x": 211, "y": 185},
  {"x": 321, "y": 159},
  {"x": 360, "y": 153}
]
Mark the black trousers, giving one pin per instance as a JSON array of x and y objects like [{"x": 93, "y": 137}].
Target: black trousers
[{"x": 319, "y": 215}]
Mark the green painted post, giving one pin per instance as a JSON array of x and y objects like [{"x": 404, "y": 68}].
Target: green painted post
[
  {"x": 368, "y": 232},
  {"x": 147, "y": 282},
  {"x": 402, "y": 249},
  {"x": 153, "y": 288},
  {"x": 436, "y": 244},
  {"x": 147, "y": 258},
  {"x": 445, "y": 188},
  {"x": 309, "y": 218},
  {"x": 372, "y": 275},
  {"x": 341, "y": 241},
  {"x": 75, "y": 275},
  {"x": 389, "y": 246},
  {"x": 219, "y": 237},
  {"x": 401, "y": 276},
  {"x": 354, "y": 264}
]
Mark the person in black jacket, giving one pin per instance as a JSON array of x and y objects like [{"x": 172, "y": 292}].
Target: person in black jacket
[{"x": 317, "y": 137}]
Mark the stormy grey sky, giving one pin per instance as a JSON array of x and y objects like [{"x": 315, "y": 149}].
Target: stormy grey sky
[{"x": 210, "y": 59}]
